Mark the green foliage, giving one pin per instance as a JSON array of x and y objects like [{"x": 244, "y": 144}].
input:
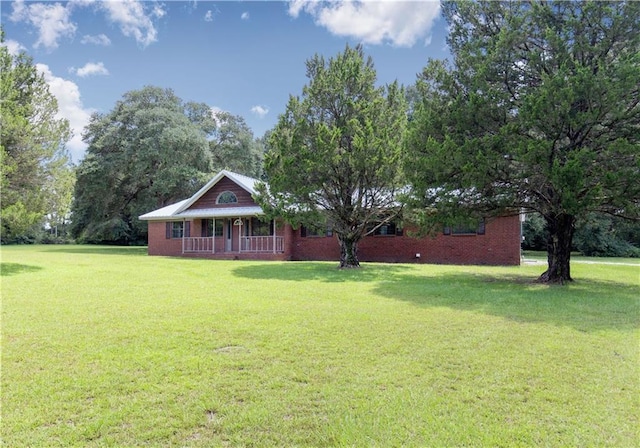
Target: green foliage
[
  {"x": 595, "y": 235},
  {"x": 33, "y": 159},
  {"x": 538, "y": 112},
  {"x": 149, "y": 151},
  {"x": 233, "y": 147},
  {"x": 337, "y": 149},
  {"x": 18, "y": 223},
  {"x": 598, "y": 236},
  {"x": 534, "y": 233}
]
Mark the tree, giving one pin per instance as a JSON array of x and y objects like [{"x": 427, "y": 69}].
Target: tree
[
  {"x": 149, "y": 151},
  {"x": 538, "y": 112},
  {"x": 336, "y": 150},
  {"x": 32, "y": 147},
  {"x": 233, "y": 147},
  {"x": 595, "y": 235}
]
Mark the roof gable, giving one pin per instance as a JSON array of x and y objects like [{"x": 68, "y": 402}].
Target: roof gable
[
  {"x": 181, "y": 209},
  {"x": 247, "y": 183}
]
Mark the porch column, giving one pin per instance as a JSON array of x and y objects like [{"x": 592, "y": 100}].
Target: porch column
[
  {"x": 213, "y": 237},
  {"x": 239, "y": 234},
  {"x": 183, "y": 229},
  {"x": 274, "y": 235}
]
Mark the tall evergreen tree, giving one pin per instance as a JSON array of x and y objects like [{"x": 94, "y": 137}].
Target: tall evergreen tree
[
  {"x": 32, "y": 148},
  {"x": 336, "y": 150},
  {"x": 540, "y": 112}
]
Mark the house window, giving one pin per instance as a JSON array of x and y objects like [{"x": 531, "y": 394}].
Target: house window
[
  {"x": 387, "y": 229},
  {"x": 208, "y": 227},
  {"x": 227, "y": 197},
  {"x": 465, "y": 229},
  {"x": 177, "y": 229},
  {"x": 261, "y": 228},
  {"x": 316, "y": 230}
]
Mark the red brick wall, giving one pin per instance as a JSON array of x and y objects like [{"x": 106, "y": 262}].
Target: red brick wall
[
  {"x": 500, "y": 245},
  {"x": 158, "y": 242}
]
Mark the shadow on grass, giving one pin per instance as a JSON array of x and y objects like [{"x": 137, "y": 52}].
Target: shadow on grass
[
  {"x": 7, "y": 269},
  {"x": 322, "y": 271},
  {"x": 100, "y": 250},
  {"x": 586, "y": 305}
]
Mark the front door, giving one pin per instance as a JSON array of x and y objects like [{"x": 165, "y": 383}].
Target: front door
[{"x": 228, "y": 238}]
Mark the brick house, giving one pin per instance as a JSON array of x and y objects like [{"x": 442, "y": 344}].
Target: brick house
[{"x": 220, "y": 221}]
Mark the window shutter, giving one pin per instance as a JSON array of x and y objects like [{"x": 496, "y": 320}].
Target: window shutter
[
  {"x": 481, "y": 227},
  {"x": 303, "y": 231},
  {"x": 168, "y": 231},
  {"x": 187, "y": 229}
]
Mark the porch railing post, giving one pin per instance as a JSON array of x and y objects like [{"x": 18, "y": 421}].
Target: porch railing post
[{"x": 274, "y": 235}]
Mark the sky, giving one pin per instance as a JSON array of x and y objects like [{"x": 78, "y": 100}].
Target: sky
[{"x": 245, "y": 58}]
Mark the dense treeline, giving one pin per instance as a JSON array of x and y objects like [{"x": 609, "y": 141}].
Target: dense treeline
[{"x": 596, "y": 236}]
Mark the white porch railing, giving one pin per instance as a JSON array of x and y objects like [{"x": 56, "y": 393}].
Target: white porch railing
[
  {"x": 197, "y": 244},
  {"x": 272, "y": 243}
]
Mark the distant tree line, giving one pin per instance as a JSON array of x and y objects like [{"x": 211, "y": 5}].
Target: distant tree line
[{"x": 596, "y": 236}]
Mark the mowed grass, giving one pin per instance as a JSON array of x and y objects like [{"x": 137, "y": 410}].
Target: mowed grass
[{"x": 105, "y": 346}]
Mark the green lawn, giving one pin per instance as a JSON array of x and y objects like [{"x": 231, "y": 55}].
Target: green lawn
[{"x": 109, "y": 347}]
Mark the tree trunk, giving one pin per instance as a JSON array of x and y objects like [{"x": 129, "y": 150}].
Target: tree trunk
[
  {"x": 348, "y": 252},
  {"x": 560, "y": 234}
]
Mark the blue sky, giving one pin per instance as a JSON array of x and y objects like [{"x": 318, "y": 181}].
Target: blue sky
[{"x": 245, "y": 58}]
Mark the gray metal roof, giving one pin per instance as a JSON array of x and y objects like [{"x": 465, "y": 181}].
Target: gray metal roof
[
  {"x": 180, "y": 210},
  {"x": 227, "y": 212},
  {"x": 163, "y": 213}
]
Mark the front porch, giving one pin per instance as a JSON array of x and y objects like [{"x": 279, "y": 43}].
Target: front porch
[
  {"x": 228, "y": 236},
  {"x": 246, "y": 244}
]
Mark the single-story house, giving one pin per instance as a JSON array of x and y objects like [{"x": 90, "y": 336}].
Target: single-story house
[{"x": 221, "y": 221}]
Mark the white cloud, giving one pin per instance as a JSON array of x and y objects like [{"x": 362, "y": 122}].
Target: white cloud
[
  {"x": 208, "y": 17},
  {"x": 100, "y": 39},
  {"x": 14, "y": 47},
  {"x": 90, "y": 69},
  {"x": 133, "y": 19},
  {"x": 260, "y": 111},
  {"x": 245, "y": 16},
  {"x": 401, "y": 23},
  {"x": 51, "y": 20},
  {"x": 158, "y": 12},
  {"x": 69, "y": 107},
  {"x": 218, "y": 115}
]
